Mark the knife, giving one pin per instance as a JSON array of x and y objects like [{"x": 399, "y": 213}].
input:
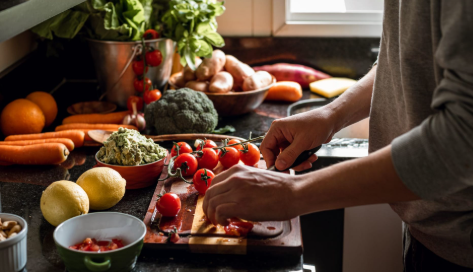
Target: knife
[{"x": 300, "y": 159}]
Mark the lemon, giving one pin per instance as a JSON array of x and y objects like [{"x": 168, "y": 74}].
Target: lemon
[
  {"x": 104, "y": 186},
  {"x": 63, "y": 200}
]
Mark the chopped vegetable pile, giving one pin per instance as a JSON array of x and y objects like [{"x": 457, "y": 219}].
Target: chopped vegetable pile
[{"x": 129, "y": 147}]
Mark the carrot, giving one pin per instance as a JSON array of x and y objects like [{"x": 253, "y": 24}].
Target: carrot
[
  {"x": 37, "y": 154},
  {"x": 293, "y": 72},
  {"x": 95, "y": 118},
  {"x": 76, "y": 136},
  {"x": 81, "y": 126},
  {"x": 285, "y": 91},
  {"x": 67, "y": 142}
]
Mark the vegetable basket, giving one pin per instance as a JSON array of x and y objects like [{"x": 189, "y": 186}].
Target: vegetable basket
[{"x": 113, "y": 59}]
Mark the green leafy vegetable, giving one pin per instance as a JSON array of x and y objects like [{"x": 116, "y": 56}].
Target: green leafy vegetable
[
  {"x": 193, "y": 25},
  {"x": 225, "y": 129}
]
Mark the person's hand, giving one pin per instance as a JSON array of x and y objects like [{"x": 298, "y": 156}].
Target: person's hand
[
  {"x": 288, "y": 137},
  {"x": 252, "y": 194}
]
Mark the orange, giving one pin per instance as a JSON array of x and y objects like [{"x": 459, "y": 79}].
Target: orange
[
  {"x": 47, "y": 104},
  {"x": 22, "y": 116}
]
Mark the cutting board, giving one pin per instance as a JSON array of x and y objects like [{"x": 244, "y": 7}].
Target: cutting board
[{"x": 200, "y": 236}]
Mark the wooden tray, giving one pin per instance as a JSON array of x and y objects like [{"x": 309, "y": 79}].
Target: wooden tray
[{"x": 198, "y": 236}]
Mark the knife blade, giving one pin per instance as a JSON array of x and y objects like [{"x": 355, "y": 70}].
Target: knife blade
[{"x": 300, "y": 159}]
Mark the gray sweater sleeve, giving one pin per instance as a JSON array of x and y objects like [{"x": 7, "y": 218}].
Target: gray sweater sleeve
[{"x": 436, "y": 158}]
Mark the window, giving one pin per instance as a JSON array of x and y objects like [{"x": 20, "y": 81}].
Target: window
[{"x": 331, "y": 18}]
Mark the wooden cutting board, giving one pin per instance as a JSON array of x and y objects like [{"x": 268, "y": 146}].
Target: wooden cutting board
[{"x": 199, "y": 236}]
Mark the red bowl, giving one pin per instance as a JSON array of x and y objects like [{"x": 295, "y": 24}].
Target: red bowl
[{"x": 137, "y": 176}]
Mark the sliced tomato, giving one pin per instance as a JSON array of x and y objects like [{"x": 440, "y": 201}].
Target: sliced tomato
[{"x": 236, "y": 227}]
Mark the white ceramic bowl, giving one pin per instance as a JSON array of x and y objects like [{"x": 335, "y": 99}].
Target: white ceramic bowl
[
  {"x": 101, "y": 226},
  {"x": 13, "y": 250}
]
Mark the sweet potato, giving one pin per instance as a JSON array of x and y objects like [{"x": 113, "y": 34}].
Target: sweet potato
[
  {"x": 257, "y": 81},
  {"x": 239, "y": 70},
  {"x": 200, "y": 86},
  {"x": 293, "y": 72},
  {"x": 285, "y": 91},
  {"x": 178, "y": 80},
  {"x": 222, "y": 82},
  {"x": 188, "y": 73},
  {"x": 211, "y": 66}
]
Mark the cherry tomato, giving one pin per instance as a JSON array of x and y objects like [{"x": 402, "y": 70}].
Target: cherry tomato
[
  {"x": 206, "y": 143},
  {"x": 183, "y": 148},
  {"x": 207, "y": 158},
  {"x": 138, "y": 67},
  {"x": 236, "y": 227},
  {"x": 250, "y": 154},
  {"x": 187, "y": 163},
  {"x": 154, "y": 57},
  {"x": 134, "y": 99},
  {"x": 202, "y": 180},
  {"x": 151, "y": 96},
  {"x": 234, "y": 141},
  {"x": 151, "y": 34},
  {"x": 174, "y": 237},
  {"x": 168, "y": 204},
  {"x": 229, "y": 157},
  {"x": 138, "y": 84}
]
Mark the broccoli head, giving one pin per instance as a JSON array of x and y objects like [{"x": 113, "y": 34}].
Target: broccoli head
[{"x": 182, "y": 111}]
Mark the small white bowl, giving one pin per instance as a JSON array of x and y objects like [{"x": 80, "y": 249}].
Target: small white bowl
[{"x": 13, "y": 250}]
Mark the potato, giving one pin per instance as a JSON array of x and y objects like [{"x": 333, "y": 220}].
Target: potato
[
  {"x": 200, "y": 86},
  {"x": 178, "y": 81},
  {"x": 188, "y": 73},
  {"x": 211, "y": 66},
  {"x": 257, "y": 81},
  {"x": 222, "y": 82},
  {"x": 239, "y": 70}
]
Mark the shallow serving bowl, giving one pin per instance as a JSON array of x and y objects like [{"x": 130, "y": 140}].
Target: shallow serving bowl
[
  {"x": 13, "y": 250},
  {"x": 139, "y": 176},
  {"x": 234, "y": 103},
  {"x": 101, "y": 226}
]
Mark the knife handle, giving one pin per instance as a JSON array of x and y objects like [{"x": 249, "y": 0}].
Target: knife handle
[{"x": 302, "y": 158}]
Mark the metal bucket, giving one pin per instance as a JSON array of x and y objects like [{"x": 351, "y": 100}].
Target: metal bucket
[{"x": 114, "y": 70}]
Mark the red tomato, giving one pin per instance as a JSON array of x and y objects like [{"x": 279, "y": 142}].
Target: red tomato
[
  {"x": 234, "y": 141},
  {"x": 134, "y": 99},
  {"x": 100, "y": 246},
  {"x": 238, "y": 228},
  {"x": 139, "y": 67},
  {"x": 187, "y": 163},
  {"x": 229, "y": 158},
  {"x": 183, "y": 148},
  {"x": 169, "y": 204},
  {"x": 206, "y": 143},
  {"x": 154, "y": 57},
  {"x": 250, "y": 154},
  {"x": 138, "y": 84},
  {"x": 202, "y": 180},
  {"x": 151, "y": 96},
  {"x": 174, "y": 237},
  {"x": 207, "y": 158},
  {"x": 151, "y": 34}
]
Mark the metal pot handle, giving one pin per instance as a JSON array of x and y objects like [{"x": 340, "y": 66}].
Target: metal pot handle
[{"x": 137, "y": 48}]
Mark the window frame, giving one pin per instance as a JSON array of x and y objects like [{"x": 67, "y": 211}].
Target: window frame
[{"x": 343, "y": 25}]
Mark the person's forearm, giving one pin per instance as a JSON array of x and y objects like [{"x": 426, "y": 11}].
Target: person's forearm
[
  {"x": 368, "y": 180},
  {"x": 353, "y": 105}
]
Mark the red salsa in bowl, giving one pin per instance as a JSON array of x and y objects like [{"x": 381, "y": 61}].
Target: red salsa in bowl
[{"x": 92, "y": 245}]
